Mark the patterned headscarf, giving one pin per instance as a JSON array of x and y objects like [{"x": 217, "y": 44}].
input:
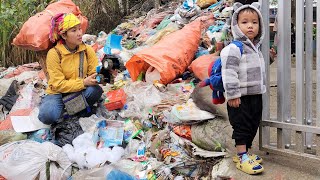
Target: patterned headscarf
[{"x": 61, "y": 23}]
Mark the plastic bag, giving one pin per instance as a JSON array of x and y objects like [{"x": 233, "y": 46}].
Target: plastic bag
[
  {"x": 149, "y": 23},
  {"x": 25, "y": 105},
  {"x": 41, "y": 135},
  {"x": 186, "y": 113},
  {"x": 131, "y": 109},
  {"x": 113, "y": 41},
  {"x": 200, "y": 66},
  {"x": 170, "y": 56},
  {"x": 138, "y": 91},
  {"x": 93, "y": 174},
  {"x": 189, "y": 12},
  {"x": 9, "y": 99},
  {"x": 210, "y": 135},
  {"x": 88, "y": 124},
  {"x": 107, "y": 172},
  {"x": 148, "y": 91},
  {"x": 27, "y": 160},
  {"x": 85, "y": 154},
  {"x": 66, "y": 131},
  {"x": 172, "y": 27},
  {"x": 108, "y": 133},
  {"x": 28, "y": 98},
  {"x": 116, "y": 174},
  {"x": 152, "y": 75},
  {"x": 10, "y": 136},
  {"x": 26, "y": 121},
  {"x": 128, "y": 166},
  {"x": 34, "y": 34}
]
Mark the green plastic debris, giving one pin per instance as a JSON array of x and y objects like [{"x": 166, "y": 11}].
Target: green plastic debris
[
  {"x": 130, "y": 44},
  {"x": 11, "y": 136},
  {"x": 164, "y": 23},
  {"x": 141, "y": 76}
]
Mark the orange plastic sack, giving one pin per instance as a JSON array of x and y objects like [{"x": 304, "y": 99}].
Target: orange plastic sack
[
  {"x": 170, "y": 56},
  {"x": 200, "y": 66},
  {"x": 34, "y": 34}
]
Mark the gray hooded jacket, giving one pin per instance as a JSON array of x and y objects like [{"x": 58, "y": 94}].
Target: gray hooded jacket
[{"x": 243, "y": 74}]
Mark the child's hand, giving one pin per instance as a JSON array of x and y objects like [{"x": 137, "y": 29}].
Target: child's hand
[
  {"x": 234, "y": 102},
  {"x": 202, "y": 84}
]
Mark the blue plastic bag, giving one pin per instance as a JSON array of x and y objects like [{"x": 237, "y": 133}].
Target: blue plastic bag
[{"x": 119, "y": 175}]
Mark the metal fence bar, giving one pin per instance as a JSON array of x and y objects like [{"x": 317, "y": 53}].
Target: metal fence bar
[
  {"x": 318, "y": 64},
  {"x": 318, "y": 146},
  {"x": 318, "y": 79},
  {"x": 264, "y": 132},
  {"x": 308, "y": 71},
  {"x": 284, "y": 70},
  {"x": 300, "y": 90},
  {"x": 291, "y": 126}
]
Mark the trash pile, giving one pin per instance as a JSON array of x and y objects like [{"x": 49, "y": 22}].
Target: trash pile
[{"x": 150, "y": 124}]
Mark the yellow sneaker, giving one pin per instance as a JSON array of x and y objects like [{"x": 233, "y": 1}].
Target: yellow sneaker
[
  {"x": 250, "y": 167},
  {"x": 254, "y": 157}
]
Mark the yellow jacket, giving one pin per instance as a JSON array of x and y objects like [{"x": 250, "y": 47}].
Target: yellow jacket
[{"x": 64, "y": 72}]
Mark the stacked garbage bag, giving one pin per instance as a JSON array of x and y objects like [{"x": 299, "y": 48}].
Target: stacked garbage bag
[{"x": 152, "y": 122}]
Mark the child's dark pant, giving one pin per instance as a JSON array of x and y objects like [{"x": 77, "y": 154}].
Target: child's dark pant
[{"x": 245, "y": 119}]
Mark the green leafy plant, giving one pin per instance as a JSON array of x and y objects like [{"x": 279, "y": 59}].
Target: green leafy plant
[{"x": 13, "y": 13}]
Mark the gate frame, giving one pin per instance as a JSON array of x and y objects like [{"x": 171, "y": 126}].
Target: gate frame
[{"x": 301, "y": 126}]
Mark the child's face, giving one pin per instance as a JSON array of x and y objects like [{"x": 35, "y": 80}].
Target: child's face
[
  {"x": 248, "y": 23},
  {"x": 73, "y": 36}
]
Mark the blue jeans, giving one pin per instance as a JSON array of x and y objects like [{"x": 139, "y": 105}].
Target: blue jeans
[{"x": 51, "y": 107}]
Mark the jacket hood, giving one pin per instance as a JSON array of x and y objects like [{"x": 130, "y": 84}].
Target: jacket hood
[{"x": 237, "y": 33}]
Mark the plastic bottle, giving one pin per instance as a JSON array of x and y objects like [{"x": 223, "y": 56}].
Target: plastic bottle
[
  {"x": 141, "y": 151},
  {"x": 97, "y": 133}
]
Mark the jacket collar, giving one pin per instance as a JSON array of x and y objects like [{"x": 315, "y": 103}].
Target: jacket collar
[{"x": 65, "y": 51}]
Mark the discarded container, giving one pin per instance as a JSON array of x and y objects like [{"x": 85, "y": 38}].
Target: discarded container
[
  {"x": 113, "y": 42},
  {"x": 141, "y": 151},
  {"x": 115, "y": 99},
  {"x": 108, "y": 133}
]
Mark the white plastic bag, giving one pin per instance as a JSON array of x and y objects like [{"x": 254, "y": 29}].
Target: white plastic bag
[
  {"x": 143, "y": 94},
  {"x": 27, "y": 159},
  {"x": 28, "y": 98},
  {"x": 152, "y": 75},
  {"x": 186, "y": 113},
  {"x": 28, "y": 123}
]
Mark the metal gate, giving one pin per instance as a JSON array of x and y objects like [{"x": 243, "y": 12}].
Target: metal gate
[{"x": 288, "y": 133}]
